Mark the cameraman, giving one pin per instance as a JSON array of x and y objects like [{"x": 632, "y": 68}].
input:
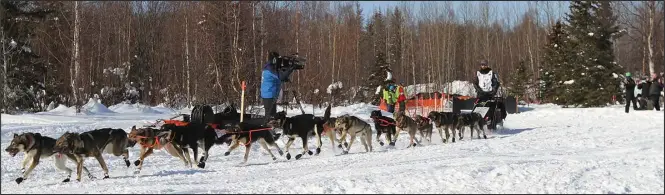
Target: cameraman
[{"x": 271, "y": 80}]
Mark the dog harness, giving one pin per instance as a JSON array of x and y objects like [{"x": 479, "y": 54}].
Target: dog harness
[
  {"x": 425, "y": 119},
  {"x": 383, "y": 122}
]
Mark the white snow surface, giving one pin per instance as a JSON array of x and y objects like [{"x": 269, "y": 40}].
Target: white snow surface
[{"x": 545, "y": 149}]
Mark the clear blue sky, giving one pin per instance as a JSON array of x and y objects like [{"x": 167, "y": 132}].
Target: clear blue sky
[{"x": 499, "y": 6}]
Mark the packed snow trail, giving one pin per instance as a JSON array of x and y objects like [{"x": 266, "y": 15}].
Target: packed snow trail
[{"x": 543, "y": 150}]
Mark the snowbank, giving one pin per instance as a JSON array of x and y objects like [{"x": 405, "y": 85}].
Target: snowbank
[
  {"x": 95, "y": 107},
  {"x": 133, "y": 109}
]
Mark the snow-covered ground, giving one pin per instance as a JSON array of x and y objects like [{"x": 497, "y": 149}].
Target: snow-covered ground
[{"x": 545, "y": 149}]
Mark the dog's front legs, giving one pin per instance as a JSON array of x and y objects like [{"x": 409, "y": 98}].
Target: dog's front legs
[
  {"x": 481, "y": 129},
  {"x": 441, "y": 131},
  {"x": 471, "y": 128},
  {"x": 235, "y": 144},
  {"x": 26, "y": 159},
  {"x": 397, "y": 131},
  {"x": 60, "y": 164},
  {"x": 144, "y": 154},
  {"x": 353, "y": 138},
  {"x": 79, "y": 166},
  {"x": 343, "y": 139},
  {"x": 100, "y": 159},
  {"x": 378, "y": 136},
  {"x": 35, "y": 162}
]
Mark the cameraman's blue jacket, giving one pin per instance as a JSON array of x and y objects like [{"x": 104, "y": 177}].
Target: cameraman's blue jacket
[{"x": 270, "y": 82}]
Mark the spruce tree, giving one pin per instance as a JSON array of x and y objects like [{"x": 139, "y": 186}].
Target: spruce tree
[
  {"x": 378, "y": 76},
  {"x": 23, "y": 72},
  {"x": 552, "y": 67},
  {"x": 588, "y": 77},
  {"x": 519, "y": 82}
]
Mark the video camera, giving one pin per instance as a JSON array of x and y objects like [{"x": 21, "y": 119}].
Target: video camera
[{"x": 283, "y": 62}]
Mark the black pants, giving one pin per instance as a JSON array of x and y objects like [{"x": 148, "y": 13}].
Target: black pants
[
  {"x": 270, "y": 108},
  {"x": 628, "y": 101},
  {"x": 402, "y": 106},
  {"x": 656, "y": 101}
]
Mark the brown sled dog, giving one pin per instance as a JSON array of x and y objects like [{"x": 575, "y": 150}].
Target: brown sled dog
[
  {"x": 93, "y": 144},
  {"x": 424, "y": 127},
  {"x": 151, "y": 139},
  {"x": 36, "y": 147},
  {"x": 406, "y": 123},
  {"x": 354, "y": 126}
]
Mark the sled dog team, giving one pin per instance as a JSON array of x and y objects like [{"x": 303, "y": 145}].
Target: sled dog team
[{"x": 178, "y": 139}]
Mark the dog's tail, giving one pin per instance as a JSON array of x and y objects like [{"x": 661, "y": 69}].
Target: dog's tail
[{"x": 326, "y": 115}]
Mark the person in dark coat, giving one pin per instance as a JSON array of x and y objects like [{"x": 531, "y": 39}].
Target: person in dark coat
[
  {"x": 271, "y": 82},
  {"x": 630, "y": 92},
  {"x": 644, "y": 87},
  {"x": 486, "y": 83},
  {"x": 654, "y": 91}
]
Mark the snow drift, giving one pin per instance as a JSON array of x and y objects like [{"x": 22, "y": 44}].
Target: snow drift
[{"x": 133, "y": 109}]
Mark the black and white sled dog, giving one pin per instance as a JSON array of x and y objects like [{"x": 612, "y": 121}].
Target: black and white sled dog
[
  {"x": 36, "y": 147},
  {"x": 444, "y": 122},
  {"x": 93, "y": 144},
  {"x": 385, "y": 125},
  {"x": 192, "y": 136},
  {"x": 247, "y": 133},
  {"x": 302, "y": 126},
  {"x": 473, "y": 121},
  {"x": 354, "y": 126}
]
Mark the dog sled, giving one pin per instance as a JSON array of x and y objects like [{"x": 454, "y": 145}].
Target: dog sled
[{"x": 493, "y": 118}]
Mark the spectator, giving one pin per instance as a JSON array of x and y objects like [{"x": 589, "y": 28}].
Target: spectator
[
  {"x": 654, "y": 91},
  {"x": 630, "y": 92},
  {"x": 644, "y": 86},
  {"x": 389, "y": 97},
  {"x": 401, "y": 98},
  {"x": 271, "y": 82}
]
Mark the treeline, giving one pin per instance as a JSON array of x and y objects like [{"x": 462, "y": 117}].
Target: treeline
[{"x": 199, "y": 52}]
